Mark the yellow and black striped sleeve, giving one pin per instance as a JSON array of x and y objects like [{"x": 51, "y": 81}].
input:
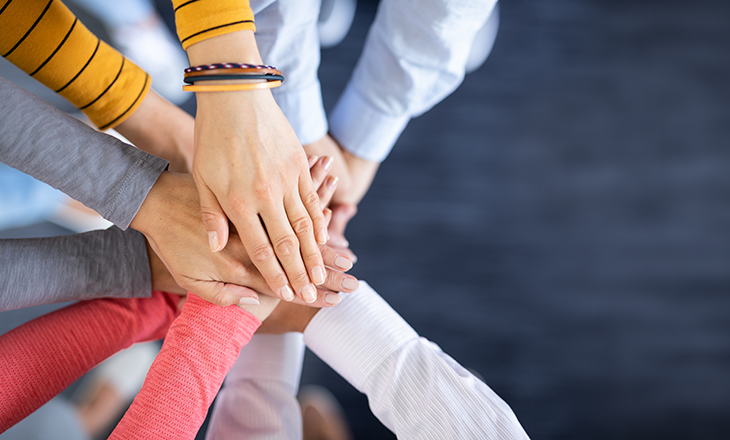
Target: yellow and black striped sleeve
[
  {"x": 47, "y": 41},
  {"x": 198, "y": 20}
]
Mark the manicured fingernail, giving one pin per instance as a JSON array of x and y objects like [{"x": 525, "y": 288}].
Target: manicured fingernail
[
  {"x": 248, "y": 301},
  {"x": 332, "y": 298},
  {"x": 213, "y": 241},
  {"x": 350, "y": 284},
  {"x": 327, "y": 162},
  {"x": 318, "y": 275},
  {"x": 343, "y": 263},
  {"x": 322, "y": 236},
  {"x": 286, "y": 293},
  {"x": 312, "y": 160},
  {"x": 309, "y": 293},
  {"x": 331, "y": 182}
]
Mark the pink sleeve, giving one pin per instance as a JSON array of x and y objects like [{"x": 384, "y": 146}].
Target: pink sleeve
[
  {"x": 201, "y": 346},
  {"x": 42, "y": 357}
]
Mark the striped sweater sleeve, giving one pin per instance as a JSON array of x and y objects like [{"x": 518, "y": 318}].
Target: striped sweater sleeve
[
  {"x": 198, "y": 20},
  {"x": 46, "y": 40}
]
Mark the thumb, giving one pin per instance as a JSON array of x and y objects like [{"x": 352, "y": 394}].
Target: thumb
[
  {"x": 225, "y": 294},
  {"x": 213, "y": 217}
]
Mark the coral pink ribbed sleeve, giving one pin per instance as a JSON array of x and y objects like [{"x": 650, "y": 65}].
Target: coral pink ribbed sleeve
[
  {"x": 42, "y": 357},
  {"x": 201, "y": 346}
]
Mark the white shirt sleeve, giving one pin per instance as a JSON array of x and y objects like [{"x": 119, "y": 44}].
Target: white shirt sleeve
[
  {"x": 414, "y": 388},
  {"x": 414, "y": 56},
  {"x": 258, "y": 400},
  {"x": 286, "y": 35}
]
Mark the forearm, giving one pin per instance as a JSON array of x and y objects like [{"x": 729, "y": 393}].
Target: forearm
[
  {"x": 42, "y": 357},
  {"x": 414, "y": 56},
  {"x": 163, "y": 129},
  {"x": 199, "y": 349},
  {"x": 45, "y": 40},
  {"x": 107, "y": 175},
  {"x": 414, "y": 388},
  {"x": 110, "y": 263},
  {"x": 258, "y": 400}
]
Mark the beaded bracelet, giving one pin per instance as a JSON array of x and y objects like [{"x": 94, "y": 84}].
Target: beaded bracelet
[
  {"x": 219, "y": 66},
  {"x": 232, "y": 87},
  {"x": 232, "y": 71}
]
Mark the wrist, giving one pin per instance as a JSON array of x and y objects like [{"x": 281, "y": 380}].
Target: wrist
[{"x": 238, "y": 47}]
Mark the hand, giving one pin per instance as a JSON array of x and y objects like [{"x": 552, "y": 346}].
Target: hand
[
  {"x": 249, "y": 167},
  {"x": 161, "y": 278},
  {"x": 170, "y": 219},
  {"x": 355, "y": 174},
  {"x": 288, "y": 317}
]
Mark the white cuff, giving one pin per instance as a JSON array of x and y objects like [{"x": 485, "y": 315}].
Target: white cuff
[
  {"x": 357, "y": 335},
  {"x": 274, "y": 357},
  {"x": 362, "y": 129},
  {"x": 304, "y": 110}
]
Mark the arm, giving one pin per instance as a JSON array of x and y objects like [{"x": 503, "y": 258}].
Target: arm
[
  {"x": 264, "y": 380},
  {"x": 414, "y": 56},
  {"x": 415, "y": 389},
  {"x": 44, "y": 39},
  {"x": 52, "y": 146},
  {"x": 199, "y": 349},
  {"x": 42, "y": 357},
  {"x": 248, "y": 165},
  {"x": 96, "y": 264}
]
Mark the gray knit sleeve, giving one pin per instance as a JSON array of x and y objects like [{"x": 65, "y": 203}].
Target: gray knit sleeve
[
  {"x": 96, "y": 264},
  {"x": 103, "y": 173}
]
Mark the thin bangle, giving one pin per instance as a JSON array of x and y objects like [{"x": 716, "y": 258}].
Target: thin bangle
[
  {"x": 193, "y": 79},
  {"x": 232, "y": 87}
]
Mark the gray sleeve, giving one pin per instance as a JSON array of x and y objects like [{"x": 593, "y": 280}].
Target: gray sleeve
[
  {"x": 96, "y": 264},
  {"x": 103, "y": 173}
]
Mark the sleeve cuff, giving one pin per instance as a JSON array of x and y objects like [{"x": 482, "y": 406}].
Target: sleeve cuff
[
  {"x": 304, "y": 110},
  {"x": 273, "y": 357},
  {"x": 362, "y": 129},
  {"x": 357, "y": 335}
]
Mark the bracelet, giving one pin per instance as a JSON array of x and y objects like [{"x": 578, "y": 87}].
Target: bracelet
[
  {"x": 232, "y": 71},
  {"x": 232, "y": 87},
  {"x": 217, "y": 66},
  {"x": 193, "y": 79}
]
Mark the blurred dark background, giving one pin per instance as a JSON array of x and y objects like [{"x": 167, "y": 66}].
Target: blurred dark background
[{"x": 561, "y": 223}]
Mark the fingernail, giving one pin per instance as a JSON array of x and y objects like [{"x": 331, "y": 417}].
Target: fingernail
[
  {"x": 327, "y": 162},
  {"x": 318, "y": 275},
  {"x": 322, "y": 236},
  {"x": 332, "y": 182},
  {"x": 309, "y": 293},
  {"x": 248, "y": 301},
  {"x": 332, "y": 298},
  {"x": 350, "y": 284},
  {"x": 312, "y": 160},
  {"x": 286, "y": 293},
  {"x": 213, "y": 241},
  {"x": 343, "y": 263}
]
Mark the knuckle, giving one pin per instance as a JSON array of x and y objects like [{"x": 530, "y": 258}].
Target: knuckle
[
  {"x": 287, "y": 245},
  {"x": 302, "y": 226},
  {"x": 238, "y": 202},
  {"x": 300, "y": 278},
  {"x": 311, "y": 256},
  {"x": 279, "y": 280},
  {"x": 263, "y": 190},
  {"x": 311, "y": 199},
  {"x": 262, "y": 253}
]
